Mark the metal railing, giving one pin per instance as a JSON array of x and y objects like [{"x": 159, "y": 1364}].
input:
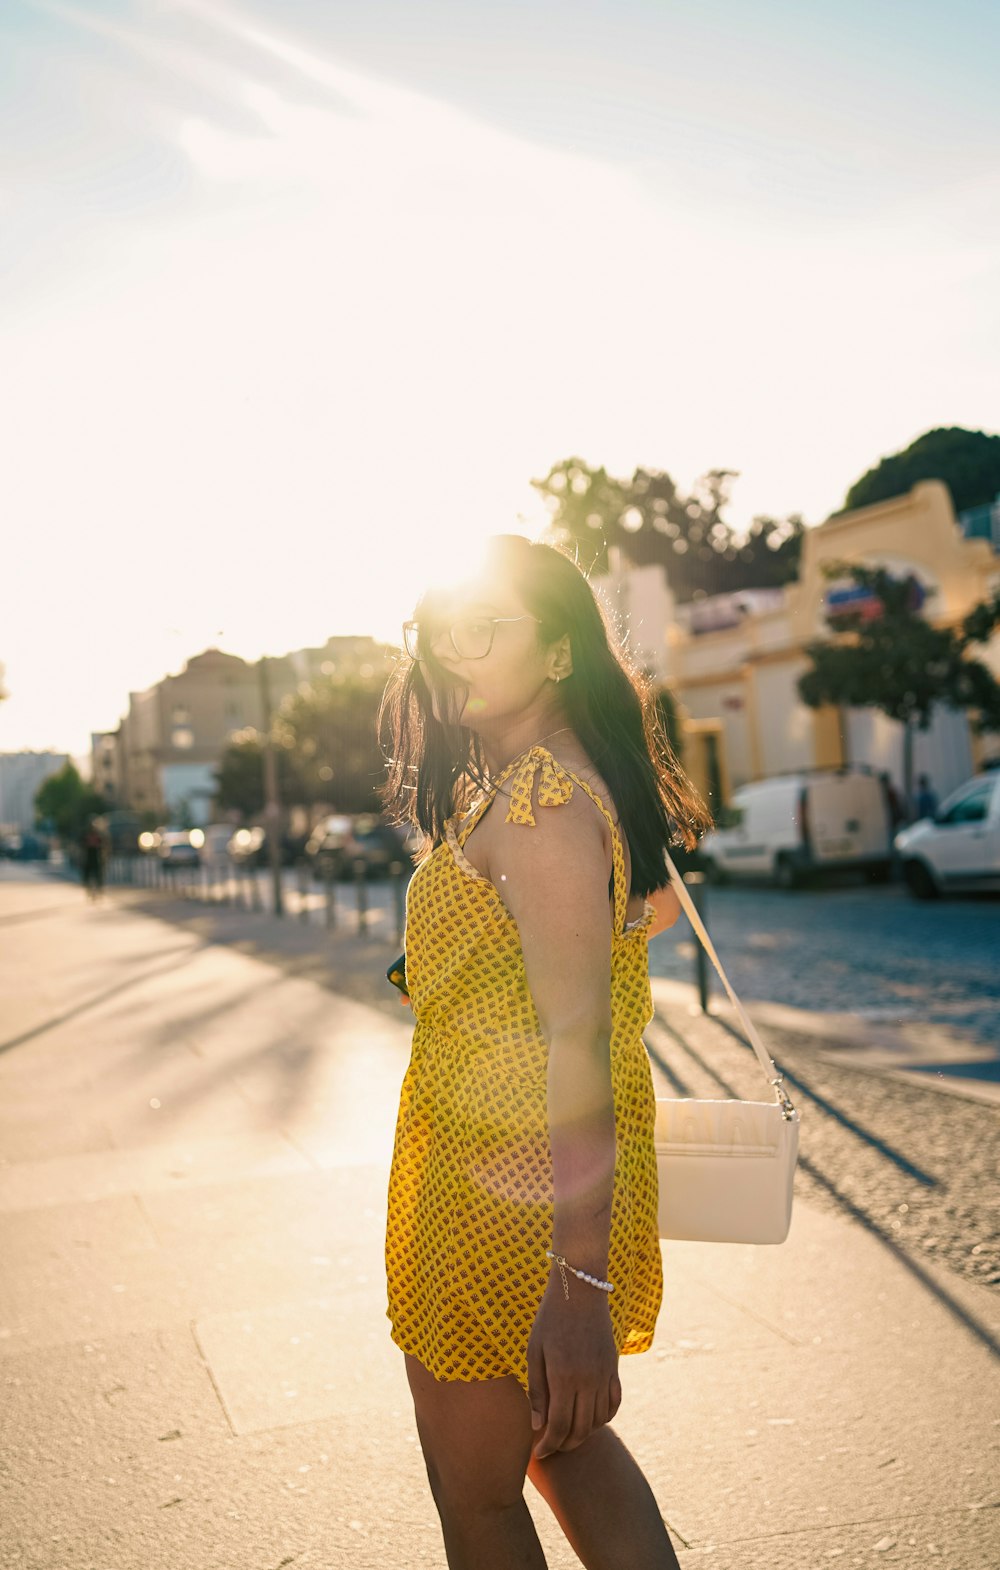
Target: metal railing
[{"x": 376, "y": 904}]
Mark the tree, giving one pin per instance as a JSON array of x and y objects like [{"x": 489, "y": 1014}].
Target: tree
[
  {"x": 240, "y": 776},
  {"x": 890, "y": 658},
  {"x": 649, "y": 520},
  {"x": 330, "y": 730},
  {"x": 65, "y": 802},
  {"x": 326, "y": 745},
  {"x": 967, "y": 461}
]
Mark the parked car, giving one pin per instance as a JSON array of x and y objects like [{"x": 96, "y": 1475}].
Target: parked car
[
  {"x": 213, "y": 842},
  {"x": 24, "y": 847},
  {"x": 959, "y": 848},
  {"x": 249, "y": 847},
  {"x": 123, "y": 827},
  {"x": 175, "y": 847},
  {"x": 325, "y": 847},
  {"x": 797, "y": 825},
  {"x": 378, "y": 845},
  {"x": 339, "y": 840}
]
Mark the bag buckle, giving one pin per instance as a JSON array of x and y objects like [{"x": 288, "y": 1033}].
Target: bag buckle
[{"x": 787, "y": 1108}]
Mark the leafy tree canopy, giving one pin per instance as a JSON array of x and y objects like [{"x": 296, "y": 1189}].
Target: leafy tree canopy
[
  {"x": 65, "y": 802},
  {"x": 326, "y": 746},
  {"x": 898, "y": 662},
  {"x": 240, "y": 776},
  {"x": 967, "y": 461},
  {"x": 330, "y": 731},
  {"x": 652, "y": 522}
]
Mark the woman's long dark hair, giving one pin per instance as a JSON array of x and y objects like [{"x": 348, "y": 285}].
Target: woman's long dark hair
[{"x": 436, "y": 766}]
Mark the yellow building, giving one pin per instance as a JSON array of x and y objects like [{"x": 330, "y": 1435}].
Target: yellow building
[{"x": 734, "y": 660}]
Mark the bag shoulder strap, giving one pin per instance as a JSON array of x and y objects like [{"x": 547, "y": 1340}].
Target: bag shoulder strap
[{"x": 765, "y": 1061}]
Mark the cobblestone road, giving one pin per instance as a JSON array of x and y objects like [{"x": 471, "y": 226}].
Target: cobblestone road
[
  {"x": 875, "y": 951},
  {"x": 914, "y": 1166}
]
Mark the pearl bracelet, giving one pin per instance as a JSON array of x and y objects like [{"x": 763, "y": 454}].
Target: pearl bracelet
[{"x": 602, "y": 1286}]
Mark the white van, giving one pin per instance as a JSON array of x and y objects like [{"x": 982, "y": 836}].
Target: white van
[
  {"x": 959, "y": 848},
  {"x": 795, "y": 825}
]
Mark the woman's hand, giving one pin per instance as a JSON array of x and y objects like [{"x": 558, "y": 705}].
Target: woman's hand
[{"x": 573, "y": 1383}]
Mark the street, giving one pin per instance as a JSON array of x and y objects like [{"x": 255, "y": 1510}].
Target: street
[
  {"x": 196, "y": 1111},
  {"x": 874, "y": 950}
]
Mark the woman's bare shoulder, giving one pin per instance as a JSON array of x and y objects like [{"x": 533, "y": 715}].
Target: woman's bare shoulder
[{"x": 580, "y": 764}]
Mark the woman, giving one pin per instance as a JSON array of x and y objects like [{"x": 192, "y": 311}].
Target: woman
[{"x": 522, "y": 1254}]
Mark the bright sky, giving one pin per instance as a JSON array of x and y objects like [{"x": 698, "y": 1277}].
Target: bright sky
[{"x": 298, "y": 296}]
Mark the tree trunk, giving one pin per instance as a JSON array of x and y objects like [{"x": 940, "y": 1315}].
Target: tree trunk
[{"x": 908, "y": 768}]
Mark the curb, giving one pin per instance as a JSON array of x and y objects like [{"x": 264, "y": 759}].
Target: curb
[{"x": 931, "y": 1057}]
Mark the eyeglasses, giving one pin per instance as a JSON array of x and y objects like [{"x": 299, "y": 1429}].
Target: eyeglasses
[{"x": 471, "y": 638}]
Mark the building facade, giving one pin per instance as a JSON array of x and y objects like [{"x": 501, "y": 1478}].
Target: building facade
[
  {"x": 734, "y": 661},
  {"x": 105, "y": 765},
  {"x": 163, "y": 757},
  {"x": 642, "y": 606},
  {"x": 21, "y": 774}
]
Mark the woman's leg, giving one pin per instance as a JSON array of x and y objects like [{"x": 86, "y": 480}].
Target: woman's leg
[
  {"x": 476, "y": 1438},
  {"x": 604, "y": 1505}
]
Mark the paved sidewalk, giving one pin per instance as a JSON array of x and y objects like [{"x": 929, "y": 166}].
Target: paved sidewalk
[
  {"x": 194, "y": 1140},
  {"x": 934, "y": 1053}
]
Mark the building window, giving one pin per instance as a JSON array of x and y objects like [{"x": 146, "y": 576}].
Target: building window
[{"x": 181, "y": 733}]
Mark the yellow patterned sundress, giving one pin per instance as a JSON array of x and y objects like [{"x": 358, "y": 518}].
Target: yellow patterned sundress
[{"x": 470, "y": 1202}]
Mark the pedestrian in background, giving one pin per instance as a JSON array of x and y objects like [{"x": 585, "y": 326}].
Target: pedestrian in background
[
  {"x": 92, "y": 859},
  {"x": 927, "y": 802},
  {"x": 894, "y": 802},
  {"x": 522, "y": 1247}
]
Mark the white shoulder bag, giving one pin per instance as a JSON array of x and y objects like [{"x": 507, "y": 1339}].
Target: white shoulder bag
[{"x": 726, "y": 1168}]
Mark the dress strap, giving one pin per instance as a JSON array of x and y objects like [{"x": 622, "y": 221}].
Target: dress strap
[{"x": 555, "y": 786}]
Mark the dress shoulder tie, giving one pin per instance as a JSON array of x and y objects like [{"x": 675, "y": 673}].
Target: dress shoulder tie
[{"x": 554, "y": 786}]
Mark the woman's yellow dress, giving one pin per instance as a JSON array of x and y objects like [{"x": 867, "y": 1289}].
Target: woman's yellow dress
[{"x": 470, "y": 1188}]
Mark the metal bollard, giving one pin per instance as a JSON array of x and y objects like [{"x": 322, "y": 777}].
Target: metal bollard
[
  {"x": 396, "y": 870},
  {"x": 697, "y": 886},
  {"x": 330, "y": 894},
  {"x": 361, "y": 889}
]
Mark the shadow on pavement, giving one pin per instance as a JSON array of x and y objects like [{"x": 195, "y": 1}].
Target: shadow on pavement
[{"x": 98, "y": 998}]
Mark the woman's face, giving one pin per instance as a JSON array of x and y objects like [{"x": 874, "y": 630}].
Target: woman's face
[{"x": 485, "y": 692}]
